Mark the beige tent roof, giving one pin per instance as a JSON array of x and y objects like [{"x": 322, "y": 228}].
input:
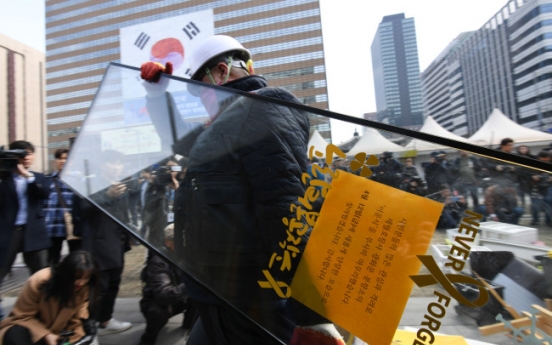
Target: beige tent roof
[
  {"x": 498, "y": 126},
  {"x": 318, "y": 142},
  {"x": 372, "y": 142}
]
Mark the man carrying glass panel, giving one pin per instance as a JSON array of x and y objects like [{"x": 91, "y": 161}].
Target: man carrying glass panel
[{"x": 244, "y": 172}]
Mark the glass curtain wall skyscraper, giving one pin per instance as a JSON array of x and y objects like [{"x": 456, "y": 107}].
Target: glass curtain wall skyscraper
[
  {"x": 530, "y": 34},
  {"x": 443, "y": 93},
  {"x": 502, "y": 65},
  {"x": 82, "y": 37},
  {"x": 396, "y": 71}
]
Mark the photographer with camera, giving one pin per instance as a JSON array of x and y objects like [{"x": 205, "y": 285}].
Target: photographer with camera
[
  {"x": 453, "y": 210},
  {"x": 389, "y": 170},
  {"x": 54, "y": 304},
  {"x": 414, "y": 184},
  {"x": 22, "y": 226},
  {"x": 158, "y": 199},
  {"x": 410, "y": 179}
]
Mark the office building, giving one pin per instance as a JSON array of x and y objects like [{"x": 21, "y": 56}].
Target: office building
[
  {"x": 502, "y": 65},
  {"x": 284, "y": 37},
  {"x": 22, "y": 98},
  {"x": 530, "y": 39},
  {"x": 397, "y": 72},
  {"x": 443, "y": 90}
]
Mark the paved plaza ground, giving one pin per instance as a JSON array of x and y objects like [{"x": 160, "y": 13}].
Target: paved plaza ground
[{"x": 127, "y": 308}]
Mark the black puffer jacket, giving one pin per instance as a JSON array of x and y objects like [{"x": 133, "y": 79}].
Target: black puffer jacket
[{"x": 244, "y": 172}]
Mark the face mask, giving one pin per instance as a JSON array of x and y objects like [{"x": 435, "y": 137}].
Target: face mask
[
  {"x": 209, "y": 97},
  {"x": 209, "y": 100}
]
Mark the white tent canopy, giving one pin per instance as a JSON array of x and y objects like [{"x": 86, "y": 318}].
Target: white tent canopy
[
  {"x": 318, "y": 142},
  {"x": 433, "y": 127},
  {"x": 498, "y": 126},
  {"x": 372, "y": 142}
]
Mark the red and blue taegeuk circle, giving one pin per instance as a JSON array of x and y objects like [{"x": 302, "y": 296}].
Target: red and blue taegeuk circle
[{"x": 168, "y": 49}]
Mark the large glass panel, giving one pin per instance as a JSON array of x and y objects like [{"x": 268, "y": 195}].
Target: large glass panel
[{"x": 289, "y": 230}]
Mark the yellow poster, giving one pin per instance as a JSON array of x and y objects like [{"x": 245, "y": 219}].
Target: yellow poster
[
  {"x": 356, "y": 266},
  {"x": 403, "y": 337}
]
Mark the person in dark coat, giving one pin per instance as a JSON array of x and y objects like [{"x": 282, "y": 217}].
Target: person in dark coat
[
  {"x": 466, "y": 169},
  {"x": 499, "y": 171},
  {"x": 409, "y": 169},
  {"x": 244, "y": 173},
  {"x": 436, "y": 174},
  {"x": 105, "y": 238},
  {"x": 525, "y": 185},
  {"x": 22, "y": 226},
  {"x": 501, "y": 203},
  {"x": 453, "y": 209},
  {"x": 163, "y": 294},
  {"x": 540, "y": 184},
  {"x": 389, "y": 171},
  {"x": 154, "y": 212}
]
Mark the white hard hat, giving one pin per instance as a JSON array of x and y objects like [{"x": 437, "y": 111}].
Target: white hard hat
[{"x": 212, "y": 47}]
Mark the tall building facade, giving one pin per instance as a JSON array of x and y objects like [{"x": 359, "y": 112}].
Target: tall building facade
[
  {"x": 443, "y": 90},
  {"x": 504, "y": 64},
  {"x": 22, "y": 98},
  {"x": 82, "y": 37},
  {"x": 396, "y": 71},
  {"x": 530, "y": 41}
]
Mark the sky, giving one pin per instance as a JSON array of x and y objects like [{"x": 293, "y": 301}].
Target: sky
[{"x": 348, "y": 28}]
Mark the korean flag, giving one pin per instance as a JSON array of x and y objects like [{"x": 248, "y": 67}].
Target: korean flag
[{"x": 170, "y": 39}]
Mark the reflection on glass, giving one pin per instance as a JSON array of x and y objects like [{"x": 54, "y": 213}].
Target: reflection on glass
[{"x": 151, "y": 155}]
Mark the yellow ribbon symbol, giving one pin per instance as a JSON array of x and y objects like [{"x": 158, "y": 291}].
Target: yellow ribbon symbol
[
  {"x": 446, "y": 280},
  {"x": 276, "y": 285}
]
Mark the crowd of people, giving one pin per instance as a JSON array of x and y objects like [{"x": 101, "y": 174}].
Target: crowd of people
[
  {"x": 215, "y": 207},
  {"x": 499, "y": 191},
  {"x": 40, "y": 212},
  {"x": 145, "y": 205}
]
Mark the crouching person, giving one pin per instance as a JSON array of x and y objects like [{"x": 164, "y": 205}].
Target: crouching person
[
  {"x": 54, "y": 303},
  {"x": 164, "y": 294}
]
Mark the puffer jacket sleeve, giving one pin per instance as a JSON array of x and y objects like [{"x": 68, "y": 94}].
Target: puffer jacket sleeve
[{"x": 274, "y": 155}]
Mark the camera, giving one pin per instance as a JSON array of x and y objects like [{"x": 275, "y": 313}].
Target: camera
[
  {"x": 386, "y": 156},
  {"x": 162, "y": 175},
  {"x": 10, "y": 158},
  {"x": 64, "y": 337},
  {"x": 131, "y": 183}
]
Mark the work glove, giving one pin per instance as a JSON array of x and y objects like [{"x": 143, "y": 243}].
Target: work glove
[
  {"x": 321, "y": 334},
  {"x": 151, "y": 73}
]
